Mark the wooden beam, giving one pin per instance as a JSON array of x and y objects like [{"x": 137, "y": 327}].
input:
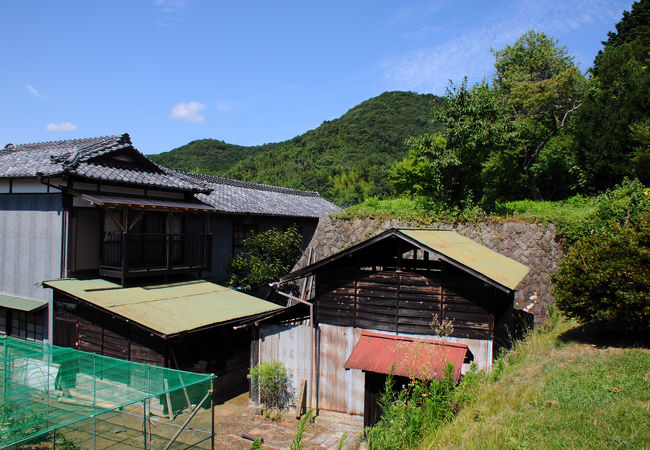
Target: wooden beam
[
  {"x": 137, "y": 219},
  {"x": 114, "y": 218}
]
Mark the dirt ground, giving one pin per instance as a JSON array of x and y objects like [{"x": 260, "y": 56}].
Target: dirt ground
[
  {"x": 234, "y": 418},
  {"x": 236, "y": 426}
]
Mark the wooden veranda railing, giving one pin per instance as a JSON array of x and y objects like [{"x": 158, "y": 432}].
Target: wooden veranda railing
[{"x": 127, "y": 254}]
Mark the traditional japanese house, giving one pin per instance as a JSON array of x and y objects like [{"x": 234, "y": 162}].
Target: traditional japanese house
[
  {"x": 374, "y": 305},
  {"x": 97, "y": 208}
]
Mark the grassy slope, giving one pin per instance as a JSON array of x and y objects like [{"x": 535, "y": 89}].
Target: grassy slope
[{"x": 561, "y": 388}]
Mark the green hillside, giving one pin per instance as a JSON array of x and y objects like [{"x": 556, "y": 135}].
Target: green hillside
[
  {"x": 345, "y": 159},
  {"x": 566, "y": 386},
  {"x": 205, "y": 156}
]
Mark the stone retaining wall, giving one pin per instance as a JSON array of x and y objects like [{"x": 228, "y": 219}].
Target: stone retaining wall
[{"x": 534, "y": 245}]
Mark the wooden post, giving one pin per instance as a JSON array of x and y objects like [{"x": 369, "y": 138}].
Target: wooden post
[
  {"x": 170, "y": 413},
  {"x": 300, "y": 403}
]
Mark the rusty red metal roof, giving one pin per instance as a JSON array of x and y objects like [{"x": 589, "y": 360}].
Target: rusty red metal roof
[{"x": 410, "y": 356}]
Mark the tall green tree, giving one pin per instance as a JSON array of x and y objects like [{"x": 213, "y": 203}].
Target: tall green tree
[
  {"x": 506, "y": 138},
  {"x": 542, "y": 89},
  {"x": 612, "y": 127}
]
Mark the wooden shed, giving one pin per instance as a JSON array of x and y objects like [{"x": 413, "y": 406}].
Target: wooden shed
[
  {"x": 403, "y": 282},
  {"x": 184, "y": 325}
]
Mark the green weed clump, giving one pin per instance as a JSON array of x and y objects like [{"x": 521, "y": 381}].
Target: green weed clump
[
  {"x": 273, "y": 384},
  {"x": 418, "y": 408},
  {"x": 417, "y": 209}
]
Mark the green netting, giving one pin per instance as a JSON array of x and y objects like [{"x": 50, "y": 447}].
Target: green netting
[{"x": 45, "y": 387}]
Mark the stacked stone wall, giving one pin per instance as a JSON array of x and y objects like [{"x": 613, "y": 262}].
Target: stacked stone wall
[{"x": 534, "y": 245}]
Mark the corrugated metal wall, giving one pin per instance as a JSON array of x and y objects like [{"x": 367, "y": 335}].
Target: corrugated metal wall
[
  {"x": 338, "y": 389},
  {"x": 290, "y": 345},
  {"x": 30, "y": 243}
]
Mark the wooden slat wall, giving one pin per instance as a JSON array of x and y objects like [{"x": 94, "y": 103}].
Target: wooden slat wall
[
  {"x": 91, "y": 330},
  {"x": 405, "y": 302}
]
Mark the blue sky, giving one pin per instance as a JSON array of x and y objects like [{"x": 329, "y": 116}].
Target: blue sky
[{"x": 249, "y": 72}]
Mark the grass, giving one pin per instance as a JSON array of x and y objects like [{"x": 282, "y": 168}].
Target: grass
[
  {"x": 563, "y": 387},
  {"x": 561, "y": 213},
  {"x": 418, "y": 210}
]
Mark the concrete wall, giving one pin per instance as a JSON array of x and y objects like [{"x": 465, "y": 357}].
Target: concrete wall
[
  {"x": 534, "y": 245},
  {"x": 30, "y": 243}
]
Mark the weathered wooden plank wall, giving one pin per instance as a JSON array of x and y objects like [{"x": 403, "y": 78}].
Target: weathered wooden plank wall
[
  {"x": 339, "y": 389},
  {"x": 405, "y": 302}
]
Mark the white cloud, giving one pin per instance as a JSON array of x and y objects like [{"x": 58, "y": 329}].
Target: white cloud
[
  {"x": 61, "y": 126},
  {"x": 226, "y": 106},
  {"x": 34, "y": 92},
  {"x": 170, "y": 6},
  {"x": 429, "y": 69},
  {"x": 188, "y": 112}
]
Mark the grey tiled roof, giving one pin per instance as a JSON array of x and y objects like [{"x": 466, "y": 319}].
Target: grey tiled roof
[
  {"x": 240, "y": 197},
  {"x": 106, "y": 172},
  {"x": 79, "y": 157}
]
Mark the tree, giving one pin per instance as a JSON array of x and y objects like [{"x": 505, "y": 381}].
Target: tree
[
  {"x": 430, "y": 170},
  {"x": 265, "y": 257},
  {"x": 543, "y": 89},
  {"x": 611, "y": 139},
  {"x": 504, "y": 138}
]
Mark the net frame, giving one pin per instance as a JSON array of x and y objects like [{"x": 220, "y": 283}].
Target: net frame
[{"x": 45, "y": 388}]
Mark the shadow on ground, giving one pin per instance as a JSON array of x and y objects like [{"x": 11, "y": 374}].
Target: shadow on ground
[{"x": 606, "y": 336}]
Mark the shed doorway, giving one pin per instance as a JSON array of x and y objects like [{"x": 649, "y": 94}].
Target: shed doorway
[{"x": 374, "y": 388}]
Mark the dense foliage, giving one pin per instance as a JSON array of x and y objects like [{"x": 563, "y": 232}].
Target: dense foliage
[
  {"x": 345, "y": 159},
  {"x": 273, "y": 383},
  {"x": 265, "y": 257},
  {"x": 605, "y": 276},
  {"x": 612, "y": 132},
  {"x": 209, "y": 156},
  {"x": 418, "y": 409},
  {"x": 503, "y": 140}
]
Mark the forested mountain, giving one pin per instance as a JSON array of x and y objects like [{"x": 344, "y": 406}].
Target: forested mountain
[
  {"x": 345, "y": 159},
  {"x": 209, "y": 156}
]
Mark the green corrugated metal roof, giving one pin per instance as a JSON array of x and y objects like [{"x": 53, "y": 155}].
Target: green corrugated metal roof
[
  {"x": 21, "y": 304},
  {"x": 505, "y": 271},
  {"x": 169, "y": 308}
]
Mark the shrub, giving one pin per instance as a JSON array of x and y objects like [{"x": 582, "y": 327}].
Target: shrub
[
  {"x": 273, "y": 384},
  {"x": 605, "y": 277},
  {"x": 265, "y": 257}
]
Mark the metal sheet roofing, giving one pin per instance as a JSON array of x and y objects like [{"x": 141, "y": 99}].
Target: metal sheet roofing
[
  {"x": 505, "y": 271},
  {"x": 167, "y": 309},
  {"x": 406, "y": 356},
  {"x": 472, "y": 257},
  {"x": 142, "y": 202},
  {"x": 21, "y": 304}
]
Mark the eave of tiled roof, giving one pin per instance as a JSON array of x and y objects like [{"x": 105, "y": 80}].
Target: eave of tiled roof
[{"x": 241, "y": 197}]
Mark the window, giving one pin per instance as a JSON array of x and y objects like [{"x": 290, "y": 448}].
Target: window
[
  {"x": 241, "y": 232},
  {"x": 25, "y": 325}
]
